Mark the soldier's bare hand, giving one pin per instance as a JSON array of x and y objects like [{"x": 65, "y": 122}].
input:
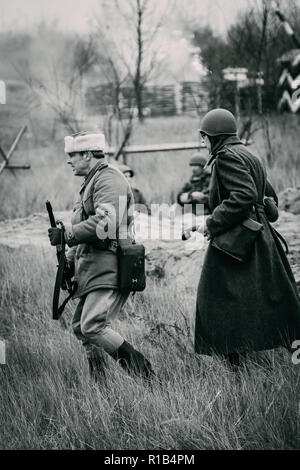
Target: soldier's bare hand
[
  {"x": 198, "y": 196},
  {"x": 101, "y": 213},
  {"x": 184, "y": 198},
  {"x": 206, "y": 232}
]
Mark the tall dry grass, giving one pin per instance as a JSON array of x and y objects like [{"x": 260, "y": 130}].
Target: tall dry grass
[
  {"x": 48, "y": 401},
  {"x": 160, "y": 176}
]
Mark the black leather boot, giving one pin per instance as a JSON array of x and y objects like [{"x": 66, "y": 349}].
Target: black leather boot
[
  {"x": 97, "y": 369},
  {"x": 133, "y": 361},
  {"x": 235, "y": 360}
]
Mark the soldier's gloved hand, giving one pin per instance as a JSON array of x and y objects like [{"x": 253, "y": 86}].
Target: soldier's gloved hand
[{"x": 54, "y": 234}]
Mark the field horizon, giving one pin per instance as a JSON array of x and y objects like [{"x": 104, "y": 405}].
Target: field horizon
[{"x": 159, "y": 175}]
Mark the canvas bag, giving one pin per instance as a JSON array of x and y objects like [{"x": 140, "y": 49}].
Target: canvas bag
[{"x": 131, "y": 266}]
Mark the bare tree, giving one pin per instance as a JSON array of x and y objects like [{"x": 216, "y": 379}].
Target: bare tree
[
  {"x": 137, "y": 79},
  {"x": 117, "y": 117},
  {"x": 134, "y": 47},
  {"x": 255, "y": 41},
  {"x": 61, "y": 88}
]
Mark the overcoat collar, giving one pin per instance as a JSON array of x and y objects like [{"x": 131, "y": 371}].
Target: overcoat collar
[
  {"x": 91, "y": 173},
  {"x": 230, "y": 140}
]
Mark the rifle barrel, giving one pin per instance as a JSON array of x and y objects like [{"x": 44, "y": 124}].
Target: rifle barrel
[
  {"x": 53, "y": 224},
  {"x": 50, "y": 213}
]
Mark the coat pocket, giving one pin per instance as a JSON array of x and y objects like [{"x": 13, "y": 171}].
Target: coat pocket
[{"x": 239, "y": 241}]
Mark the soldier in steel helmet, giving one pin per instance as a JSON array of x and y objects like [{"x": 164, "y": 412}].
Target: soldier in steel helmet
[
  {"x": 251, "y": 305},
  {"x": 196, "y": 190},
  {"x": 140, "y": 202},
  {"x": 104, "y": 201}
]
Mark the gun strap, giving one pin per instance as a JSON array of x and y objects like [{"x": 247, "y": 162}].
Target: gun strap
[
  {"x": 280, "y": 237},
  {"x": 57, "y": 286},
  {"x": 98, "y": 167},
  {"x": 62, "y": 306}
]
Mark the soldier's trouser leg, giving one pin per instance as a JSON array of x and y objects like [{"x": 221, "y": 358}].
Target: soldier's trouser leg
[
  {"x": 92, "y": 320},
  {"x": 91, "y": 325}
]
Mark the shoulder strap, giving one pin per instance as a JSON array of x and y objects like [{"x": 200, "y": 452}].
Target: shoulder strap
[
  {"x": 264, "y": 171},
  {"x": 217, "y": 180},
  {"x": 96, "y": 169}
]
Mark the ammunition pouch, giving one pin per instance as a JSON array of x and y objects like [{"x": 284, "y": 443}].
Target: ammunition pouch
[{"x": 271, "y": 209}]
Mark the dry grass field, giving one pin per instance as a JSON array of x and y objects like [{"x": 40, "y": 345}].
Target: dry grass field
[
  {"x": 47, "y": 399},
  {"x": 159, "y": 175}
]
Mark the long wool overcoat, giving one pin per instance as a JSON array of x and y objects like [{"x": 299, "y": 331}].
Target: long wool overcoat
[{"x": 252, "y": 305}]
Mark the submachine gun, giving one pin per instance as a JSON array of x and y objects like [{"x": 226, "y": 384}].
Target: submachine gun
[{"x": 63, "y": 276}]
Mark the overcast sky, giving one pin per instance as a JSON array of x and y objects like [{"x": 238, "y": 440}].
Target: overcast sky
[{"x": 74, "y": 15}]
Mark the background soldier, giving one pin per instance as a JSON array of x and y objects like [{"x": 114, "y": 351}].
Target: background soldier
[
  {"x": 139, "y": 198},
  {"x": 196, "y": 190},
  {"x": 94, "y": 260}
]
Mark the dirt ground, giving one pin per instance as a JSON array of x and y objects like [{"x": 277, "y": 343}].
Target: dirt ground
[{"x": 166, "y": 259}]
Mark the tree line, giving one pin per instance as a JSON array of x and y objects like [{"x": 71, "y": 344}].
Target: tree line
[{"x": 124, "y": 46}]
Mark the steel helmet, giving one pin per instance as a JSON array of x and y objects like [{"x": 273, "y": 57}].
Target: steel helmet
[
  {"x": 125, "y": 169},
  {"x": 218, "y": 122},
  {"x": 198, "y": 159}
]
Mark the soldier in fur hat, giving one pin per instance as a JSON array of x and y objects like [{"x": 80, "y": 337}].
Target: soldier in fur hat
[{"x": 93, "y": 257}]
